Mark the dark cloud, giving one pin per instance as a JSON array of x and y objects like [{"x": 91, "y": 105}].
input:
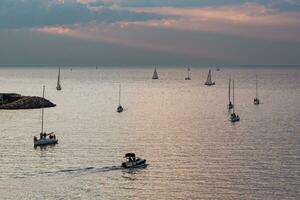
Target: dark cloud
[{"x": 37, "y": 13}]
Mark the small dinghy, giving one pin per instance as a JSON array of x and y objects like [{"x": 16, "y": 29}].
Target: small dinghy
[{"x": 133, "y": 162}]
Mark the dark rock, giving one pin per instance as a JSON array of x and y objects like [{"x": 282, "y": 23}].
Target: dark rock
[{"x": 28, "y": 103}]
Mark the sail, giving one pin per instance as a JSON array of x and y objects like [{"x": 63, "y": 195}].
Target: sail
[
  {"x": 155, "y": 75},
  {"x": 208, "y": 80},
  {"x": 58, "y": 86}
]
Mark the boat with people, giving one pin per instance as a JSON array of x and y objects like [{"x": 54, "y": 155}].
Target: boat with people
[
  {"x": 256, "y": 100},
  {"x": 155, "y": 74},
  {"x": 233, "y": 116},
  {"x": 133, "y": 161},
  {"x": 120, "y": 108},
  {"x": 208, "y": 81},
  {"x": 45, "y": 138},
  {"x": 58, "y": 86}
]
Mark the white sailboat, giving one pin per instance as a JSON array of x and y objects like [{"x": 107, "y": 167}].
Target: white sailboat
[
  {"x": 58, "y": 86},
  {"x": 155, "y": 75},
  {"x": 45, "y": 138},
  {"x": 119, "y": 108},
  {"x": 188, "y": 74},
  {"x": 233, "y": 116},
  {"x": 208, "y": 80},
  {"x": 230, "y": 105},
  {"x": 256, "y": 100}
]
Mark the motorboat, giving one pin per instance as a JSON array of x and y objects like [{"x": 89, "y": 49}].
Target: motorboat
[
  {"x": 133, "y": 162},
  {"x": 45, "y": 139}
]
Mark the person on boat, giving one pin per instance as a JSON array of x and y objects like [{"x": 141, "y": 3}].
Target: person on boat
[
  {"x": 41, "y": 135},
  {"x": 54, "y": 136},
  {"x": 230, "y": 104},
  {"x": 35, "y": 138}
]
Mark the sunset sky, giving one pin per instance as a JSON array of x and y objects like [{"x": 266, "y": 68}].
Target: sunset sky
[{"x": 149, "y": 32}]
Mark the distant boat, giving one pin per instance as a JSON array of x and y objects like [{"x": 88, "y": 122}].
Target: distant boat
[
  {"x": 155, "y": 75},
  {"x": 233, "y": 116},
  {"x": 119, "y": 108},
  {"x": 133, "y": 162},
  {"x": 230, "y": 105},
  {"x": 188, "y": 74},
  {"x": 208, "y": 80},
  {"x": 218, "y": 69},
  {"x": 256, "y": 100},
  {"x": 58, "y": 86},
  {"x": 45, "y": 138}
]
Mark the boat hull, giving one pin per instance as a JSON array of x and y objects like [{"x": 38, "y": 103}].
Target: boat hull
[
  {"x": 137, "y": 164},
  {"x": 43, "y": 142}
]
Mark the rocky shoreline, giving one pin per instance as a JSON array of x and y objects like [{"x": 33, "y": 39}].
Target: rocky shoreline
[{"x": 28, "y": 102}]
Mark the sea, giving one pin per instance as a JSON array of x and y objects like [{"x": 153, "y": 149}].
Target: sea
[{"x": 181, "y": 127}]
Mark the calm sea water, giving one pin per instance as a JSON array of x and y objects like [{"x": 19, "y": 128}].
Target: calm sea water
[{"x": 180, "y": 127}]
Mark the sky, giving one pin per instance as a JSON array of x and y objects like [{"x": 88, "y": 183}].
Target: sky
[{"x": 149, "y": 32}]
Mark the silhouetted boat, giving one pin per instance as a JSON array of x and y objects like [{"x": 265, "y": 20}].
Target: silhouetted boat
[
  {"x": 119, "y": 108},
  {"x": 230, "y": 105},
  {"x": 58, "y": 86},
  {"x": 208, "y": 80},
  {"x": 45, "y": 138},
  {"x": 133, "y": 162},
  {"x": 188, "y": 74},
  {"x": 155, "y": 75},
  {"x": 256, "y": 100},
  {"x": 233, "y": 116}
]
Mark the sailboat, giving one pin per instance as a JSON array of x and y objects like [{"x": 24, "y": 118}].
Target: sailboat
[
  {"x": 119, "y": 108},
  {"x": 233, "y": 117},
  {"x": 45, "y": 138},
  {"x": 188, "y": 73},
  {"x": 208, "y": 80},
  {"x": 230, "y": 105},
  {"x": 58, "y": 86},
  {"x": 256, "y": 100},
  {"x": 155, "y": 75}
]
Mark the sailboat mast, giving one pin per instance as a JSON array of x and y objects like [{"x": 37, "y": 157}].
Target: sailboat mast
[
  {"x": 229, "y": 89},
  {"x": 58, "y": 78},
  {"x": 233, "y": 95},
  {"x": 256, "y": 86},
  {"x": 42, "y": 128},
  {"x": 120, "y": 94},
  {"x": 188, "y": 72}
]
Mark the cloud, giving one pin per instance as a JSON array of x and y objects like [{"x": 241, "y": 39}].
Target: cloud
[{"x": 37, "y": 13}]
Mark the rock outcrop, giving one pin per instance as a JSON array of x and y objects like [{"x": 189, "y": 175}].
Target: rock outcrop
[{"x": 26, "y": 102}]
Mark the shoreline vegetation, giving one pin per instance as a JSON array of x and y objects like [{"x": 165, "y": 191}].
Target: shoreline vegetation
[{"x": 13, "y": 101}]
